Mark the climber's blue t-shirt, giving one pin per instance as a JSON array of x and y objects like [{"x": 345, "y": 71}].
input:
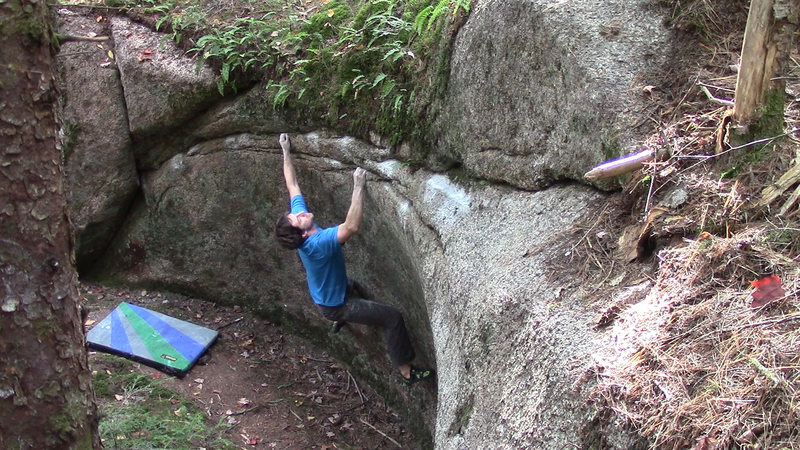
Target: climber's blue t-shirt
[{"x": 323, "y": 259}]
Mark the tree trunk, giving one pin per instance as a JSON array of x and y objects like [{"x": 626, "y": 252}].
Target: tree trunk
[
  {"x": 46, "y": 398},
  {"x": 766, "y": 46}
]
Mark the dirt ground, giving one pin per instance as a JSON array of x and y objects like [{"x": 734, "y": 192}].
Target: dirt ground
[{"x": 276, "y": 390}]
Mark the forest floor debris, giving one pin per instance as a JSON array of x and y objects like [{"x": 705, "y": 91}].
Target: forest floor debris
[{"x": 257, "y": 387}]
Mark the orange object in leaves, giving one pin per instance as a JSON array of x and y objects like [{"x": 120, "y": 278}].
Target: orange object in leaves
[{"x": 768, "y": 289}]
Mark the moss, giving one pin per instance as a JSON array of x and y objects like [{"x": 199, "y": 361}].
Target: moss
[
  {"x": 44, "y": 329},
  {"x": 33, "y": 29},
  {"x": 69, "y": 135},
  {"x": 611, "y": 148},
  {"x": 463, "y": 415},
  {"x": 485, "y": 336},
  {"x": 769, "y": 123},
  {"x": 62, "y": 424},
  {"x": 334, "y": 13},
  {"x": 102, "y": 385},
  {"x": 771, "y": 118},
  {"x": 70, "y": 425}
]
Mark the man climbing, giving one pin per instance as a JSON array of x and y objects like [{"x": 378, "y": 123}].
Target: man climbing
[{"x": 321, "y": 252}]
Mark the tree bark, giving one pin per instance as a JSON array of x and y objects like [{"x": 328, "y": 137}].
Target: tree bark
[
  {"x": 46, "y": 398},
  {"x": 767, "y": 44}
]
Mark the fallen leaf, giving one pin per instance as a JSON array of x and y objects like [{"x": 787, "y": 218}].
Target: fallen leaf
[
  {"x": 255, "y": 440},
  {"x": 243, "y": 402},
  {"x": 768, "y": 289},
  {"x": 330, "y": 13},
  {"x": 111, "y": 54}
]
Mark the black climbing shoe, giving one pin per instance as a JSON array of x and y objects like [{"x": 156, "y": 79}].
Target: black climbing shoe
[
  {"x": 337, "y": 326},
  {"x": 417, "y": 375}
]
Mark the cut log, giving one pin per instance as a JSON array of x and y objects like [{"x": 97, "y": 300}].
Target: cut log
[{"x": 620, "y": 166}]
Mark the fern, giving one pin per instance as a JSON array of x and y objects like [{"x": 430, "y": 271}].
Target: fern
[
  {"x": 422, "y": 18},
  {"x": 438, "y": 11},
  {"x": 462, "y": 4},
  {"x": 426, "y": 18}
]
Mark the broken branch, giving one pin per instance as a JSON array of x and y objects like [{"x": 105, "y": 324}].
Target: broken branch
[
  {"x": 721, "y": 101},
  {"x": 72, "y": 37},
  {"x": 786, "y": 181},
  {"x": 381, "y": 433}
]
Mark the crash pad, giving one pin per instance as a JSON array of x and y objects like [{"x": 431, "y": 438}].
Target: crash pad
[{"x": 158, "y": 340}]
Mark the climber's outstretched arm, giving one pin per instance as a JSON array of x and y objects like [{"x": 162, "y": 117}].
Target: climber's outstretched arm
[
  {"x": 288, "y": 166},
  {"x": 356, "y": 212}
]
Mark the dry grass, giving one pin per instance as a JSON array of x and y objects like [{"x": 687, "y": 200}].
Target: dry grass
[
  {"x": 719, "y": 373},
  {"x": 707, "y": 369}
]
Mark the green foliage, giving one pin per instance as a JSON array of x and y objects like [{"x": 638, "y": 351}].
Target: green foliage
[
  {"x": 359, "y": 59},
  {"x": 426, "y": 18},
  {"x": 327, "y": 19},
  {"x": 768, "y": 125},
  {"x": 771, "y": 118},
  {"x": 139, "y": 412},
  {"x": 611, "y": 148},
  {"x": 783, "y": 239}
]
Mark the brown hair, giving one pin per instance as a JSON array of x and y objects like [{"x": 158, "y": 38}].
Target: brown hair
[{"x": 289, "y": 237}]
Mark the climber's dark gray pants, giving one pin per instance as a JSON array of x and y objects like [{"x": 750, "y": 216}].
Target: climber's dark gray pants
[{"x": 366, "y": 312}]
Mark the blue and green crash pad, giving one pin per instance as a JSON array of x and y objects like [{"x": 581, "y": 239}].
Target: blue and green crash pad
[{"x": 168, "y": 344}]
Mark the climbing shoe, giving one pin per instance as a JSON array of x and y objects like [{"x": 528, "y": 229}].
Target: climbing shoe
[
  {"x": 337, "y": 326},
  {"x": 417, "y": 375}
]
